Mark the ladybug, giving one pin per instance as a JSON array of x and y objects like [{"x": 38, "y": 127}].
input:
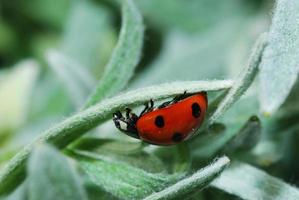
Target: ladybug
[{"x": 170, "y": 123}]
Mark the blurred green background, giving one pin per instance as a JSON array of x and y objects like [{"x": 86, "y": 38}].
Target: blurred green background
[
  {"x": 201, "y": 39},
  {"x": 184, "y": 40}
]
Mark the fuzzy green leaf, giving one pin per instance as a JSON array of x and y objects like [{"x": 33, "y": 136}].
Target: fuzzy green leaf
[
  {"x": 121, "y": 179},
  {"x": 182, "y": 157},
  {"x": 190, "y": 57},
  {"x": 125, "y": 56},
  {"x": 196, "y": 181},
  {"x": 207, "y": 145},
  {"x": 16, "y": 87},
  {"x": 20, "y": 193},
  {"x": 243, "y": 81},
  {"x": 192, "y": 17},
  {"x": 77, "y": 80},
  {"x": 52, "y": 13},
  {"x": 279, "y": 67},
  {"x": 88, "y": 37},
  {"x": 121, "y": 151},
  {"x": 50, "y": 176},
  {"x": 69, "y": 130},
  {"x": 247, "y": 182},
  {"x": 247, "y": 137},
  {"x": 95, "y": 192}
]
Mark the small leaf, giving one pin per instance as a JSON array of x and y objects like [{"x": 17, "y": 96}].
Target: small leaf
[
  {"x": 16, "y": 89},
  {"x": 6, "y": 153},
  {"x": 52, "y": 13},
  {"x": 247, "y": 182},
  {"x": 99, "y": 145},
  {"x": 20, "y": 193},
  {"x": 207, "y": 145},
  {"x": 125, "y": 56},
  {"x": 121, "y": 151},
  {"x": 49, "y": 100},
  {"x": 182, "y": 53},
  {"x": 195, "y": 182},
  {"x": 77, "y": 80},
  {"x": 50, "y": 176},
  {"x": 95, "y": 192},
  {"x": 120, "y": 179},
  {"x": 72, "y": 128},
  {"x": 8, "y": 37},
  {"x": 182, "y": 158},
  {"x": 88, "y": 37},
  {"x": 279, "y": 66},
  {"x": 243, "y": 81},
  {"x": 247, "y": 137},
  {"x": 175, "y": 159},
  {"x": 193, "y": 17}
]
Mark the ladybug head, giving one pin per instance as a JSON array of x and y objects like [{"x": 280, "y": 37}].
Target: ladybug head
[{"x": 126, "y": 124}]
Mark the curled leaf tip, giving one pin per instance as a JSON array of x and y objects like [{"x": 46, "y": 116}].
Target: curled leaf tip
[
  {"x": 243, "y": 81},
  {"x": 195, "y": 182}
]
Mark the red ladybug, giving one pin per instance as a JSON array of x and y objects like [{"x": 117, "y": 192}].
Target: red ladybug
[{"x": 170, "y": 123}]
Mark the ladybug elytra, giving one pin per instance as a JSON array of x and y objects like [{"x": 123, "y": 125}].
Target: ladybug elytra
[{"x": 170, "y": 123}]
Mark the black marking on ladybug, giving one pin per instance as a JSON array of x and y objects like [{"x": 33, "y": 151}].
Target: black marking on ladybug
[
  {"x": 196, "y": 111},
  {"x": 177, "y": 137},
  {"x": 159, "y": 121}
]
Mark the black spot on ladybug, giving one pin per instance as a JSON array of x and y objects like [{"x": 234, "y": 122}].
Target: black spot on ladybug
[
  {"x": 196, "y": 110},
  {"x": 159, "y": 121},
  {"x": 177, "y": 137}
]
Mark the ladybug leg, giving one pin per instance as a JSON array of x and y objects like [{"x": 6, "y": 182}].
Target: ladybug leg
[
  {"x": 131, "y": 117},
  {"x": 128, "y": 112},
  {"x": 174, "y": 100},
  {"x": 180, "y": 97},
  {"x": 144, "y": 110},
  {"x": 163, "y": 105},
  {"x": 151, "y": 105}
]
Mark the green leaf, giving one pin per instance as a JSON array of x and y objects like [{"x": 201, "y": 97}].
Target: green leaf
[
  {"x": 120, "y": 179},
  {"x": 247, "y": 137},
  {"x": 207, "y": 145},
  {"x": 77, "y": 80},
  {"x": 48, "y": 12},
  {"x": 50, "y": 176},
  {"x": 42, "y": 42},
  {"x": 95, "y": 192},
  {"x": 279, "y": 67},
  {"x": 195, "y": 182},
  {"x": 243, "y": 81},
  {"x": 8, "y": 38},
  {"x": 125, "y": 56},
  {"x": 121, "y": 151},
  {"x": 183, "y": 158},
  {"x": 247, "y": 182},
  {"x": 190, "y": 57},
  {"x": 7, "y": 153},
  {"x": 69, "y": 130},
  {"x": 16, "y": 87},
  {"x": 191, "y": 17},
  {"x": 18, "y": 194},
  {"x": 110, "y": 145},
  {"x": 88, "y": 37},
  {"x": 49, "y": 99}
]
